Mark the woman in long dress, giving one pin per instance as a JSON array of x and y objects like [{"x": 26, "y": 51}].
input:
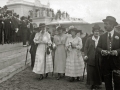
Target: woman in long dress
[
  {"x": 60, "y": 52},
  {"x": 74, "y": 61},
  {"x": 43, "y": 61},
  {"x": 91, "y": 57}
]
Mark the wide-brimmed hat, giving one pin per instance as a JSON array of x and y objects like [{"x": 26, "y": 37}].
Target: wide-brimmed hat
[
  {"x": 60, "y": 28},
  {"x": 37, "y": 29},
  {"x": 42, "y": 25},
  {"x": 23, "y": 18},
  {"x": 96, "y": 27},
  {"x": 73, "y": 29},
  {"x": 111, "y": 19}
]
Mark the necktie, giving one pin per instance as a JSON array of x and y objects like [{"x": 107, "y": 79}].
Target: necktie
[
  {"x": 110, "y": 41},
  {"x": 110, "y": 36}
]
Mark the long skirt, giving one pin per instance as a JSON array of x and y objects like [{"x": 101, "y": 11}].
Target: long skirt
[
  {"x": 74, "y": 64},
  {"x": 92, "y": 76},
  {"x": 60, "y": 59},
  {"x": 42, "y": 64}
]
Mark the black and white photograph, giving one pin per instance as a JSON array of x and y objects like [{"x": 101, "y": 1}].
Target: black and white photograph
[{"x": 59, "y": 45}]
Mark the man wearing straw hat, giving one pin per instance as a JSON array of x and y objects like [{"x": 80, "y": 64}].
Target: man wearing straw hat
[{"x": 109, "y": 49}]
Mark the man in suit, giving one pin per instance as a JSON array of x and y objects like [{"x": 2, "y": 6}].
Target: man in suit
[
  {"x": 109, "y": 48},
  {"x": 30, "y": 29},
  {"x": 15, "y": 24},
  {"x": 24, "y": 31}
]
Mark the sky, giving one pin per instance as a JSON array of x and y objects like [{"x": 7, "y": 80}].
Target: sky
[{"x": 89, "y": 10}]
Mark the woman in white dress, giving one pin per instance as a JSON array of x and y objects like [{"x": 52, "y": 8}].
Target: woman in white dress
[
  {"x": 60, "y": 52},
  {"x": 43, "y": 60},
  {"x": 74, "y": 61}
]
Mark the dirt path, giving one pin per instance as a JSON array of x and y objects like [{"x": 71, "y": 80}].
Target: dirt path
[{"x": 27, "y": 80}]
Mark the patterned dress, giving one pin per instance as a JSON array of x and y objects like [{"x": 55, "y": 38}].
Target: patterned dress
[
  {"x": 60, "y": 54},
  {"x": 74, "y": 61},
  {"x": 42, "y": 64}
]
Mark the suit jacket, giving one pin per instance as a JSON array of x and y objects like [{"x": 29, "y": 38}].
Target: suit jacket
[
  {"x": 83, "y": 42},
  {"x": 14, "y": 22},
  {"x": 90, "y": 51},
  {"x": 24, "y": 26},
  {"x": 33, "y": 45},
  {"x": 102, "y": 45}
]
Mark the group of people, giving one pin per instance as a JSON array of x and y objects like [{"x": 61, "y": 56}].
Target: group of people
[
  {"x": 62, "y": 54},
  {"x": 14, "y": 29},
  {"x": 59, "y": 54}
]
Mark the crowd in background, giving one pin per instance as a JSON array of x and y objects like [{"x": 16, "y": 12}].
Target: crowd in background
[{"x": 14, "y": 29}]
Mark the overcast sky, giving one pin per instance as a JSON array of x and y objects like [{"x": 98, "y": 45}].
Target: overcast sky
[{"x": 90, "y": 10}]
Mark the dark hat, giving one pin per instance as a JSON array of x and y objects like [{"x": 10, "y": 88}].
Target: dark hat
[
  {"x": 14, "y": 14},
  {"x": 101, "y": 30},
  {"x": 9, "y": 11},
  {"x": 30, "y": 20},
  {"x": 73, "y": 29},
  {"x": 37, "y": 29},
  {"x": 111, "y": 19},
  {"x": 42, "y": 25},
  {"x": 22, "y": 18},
  {"x": 59, "y": 28},
  {"x": 96, "y": 26}
]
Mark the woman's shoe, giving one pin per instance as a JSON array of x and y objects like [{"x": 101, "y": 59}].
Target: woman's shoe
[
  {"x": 92, "y": 87},
  {"x": 41, "y": 77},
  {"x": 78, "y": 79},
  {"x": 46, "y": 75},
  {"x": 58, "y": 78},
  {"x": 71, "y": 79}
]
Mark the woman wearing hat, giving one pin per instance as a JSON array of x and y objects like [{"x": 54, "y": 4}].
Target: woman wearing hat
[
  {"x": 74, "y": 61},
  {"x": 93, "y": 78},
  {"x": 43, "y": 60},
  {"x": 60, "y": 52}
]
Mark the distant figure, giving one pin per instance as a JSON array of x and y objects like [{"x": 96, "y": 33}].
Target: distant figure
[{"x": 24, "y": 31}]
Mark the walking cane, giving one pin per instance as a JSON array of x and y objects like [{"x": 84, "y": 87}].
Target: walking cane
[
  {"x": 45, "y": 62},
  {"x": 3, "y": 34},
  {"x": 26, "y": 55}
]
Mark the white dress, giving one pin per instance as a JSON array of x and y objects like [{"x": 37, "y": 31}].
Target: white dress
[
  {"x": 74, "y": 61},
  {"x": 42, "y": 65}
]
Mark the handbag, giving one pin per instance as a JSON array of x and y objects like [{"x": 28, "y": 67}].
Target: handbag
[{"x": 48, "y": 50}]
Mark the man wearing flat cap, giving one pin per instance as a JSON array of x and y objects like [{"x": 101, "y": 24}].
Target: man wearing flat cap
[{"x": 109, "y": 48}]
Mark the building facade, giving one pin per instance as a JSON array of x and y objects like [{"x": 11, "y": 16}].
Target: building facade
[{"x": 38, "y": 12}]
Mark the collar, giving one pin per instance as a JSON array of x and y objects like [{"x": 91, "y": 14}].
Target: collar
[
  {"x": 112, "y": 33},
  {"x": 93, "y": 38}
]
